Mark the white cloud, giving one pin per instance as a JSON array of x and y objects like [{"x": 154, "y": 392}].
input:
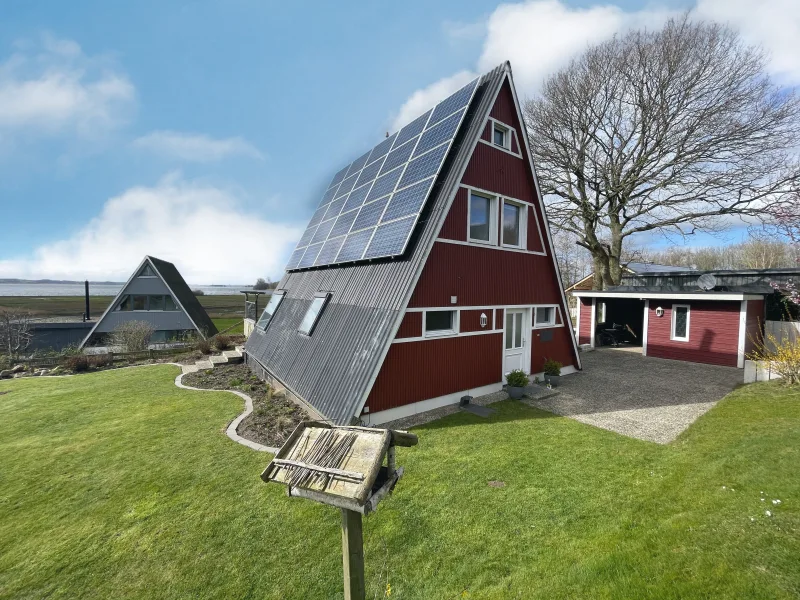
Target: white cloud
[
  {"x": 195, "y": 147},
  {"x": 541, "y": 36},
  {"x": 423, "y": 99},
  {"x": 52, "y": 87},
  {"x": 201, "y": 228},
  {"x": 774, "y": 24}
]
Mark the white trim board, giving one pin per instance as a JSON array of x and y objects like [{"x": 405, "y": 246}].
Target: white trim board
[
  {"x": 742, "y": 334},
  {"x": 713, "y": 296},
  {"x": 592, "y": 324},
  {"x": 645, "y": 326}
]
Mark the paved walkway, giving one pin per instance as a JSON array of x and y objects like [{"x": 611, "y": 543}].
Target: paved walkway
[{"x": 647, "y": 398}]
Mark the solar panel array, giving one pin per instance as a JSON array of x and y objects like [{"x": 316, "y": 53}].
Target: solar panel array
[{"x": 371, "y": 206}]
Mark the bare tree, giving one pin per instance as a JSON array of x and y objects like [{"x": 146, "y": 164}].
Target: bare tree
[
  {"x": 15, "y": 331},
  {"x": 673, "y": 131},
  {"x": 134, "y": 336}
]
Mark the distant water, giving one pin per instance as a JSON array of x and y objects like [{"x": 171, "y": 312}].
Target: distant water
[{"x": 96, "y": 289}]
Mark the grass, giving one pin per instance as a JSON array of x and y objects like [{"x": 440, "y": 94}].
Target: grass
[
  {"x": 223, "y": 324},
  {"x": 218, "y": 307},
  {"x": 118, "y": 484}
]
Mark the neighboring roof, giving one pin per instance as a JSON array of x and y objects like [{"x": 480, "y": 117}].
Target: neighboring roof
[
  {"x": 180, "y": 291},
  {"x": 642, "y": 293},
  {"x": 256, "y": 292},
  {"x": 640, "y": 267},
  {"x": 184, "y": 295},
  {"x": 334, "y": 369}
]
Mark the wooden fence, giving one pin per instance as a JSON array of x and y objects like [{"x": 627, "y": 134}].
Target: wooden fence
[
  {"x": 53, "y": 361},
  {"x": 782, "y": 331}
]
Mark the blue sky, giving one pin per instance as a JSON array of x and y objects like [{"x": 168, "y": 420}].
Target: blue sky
[{"x": 205, "y": 131}]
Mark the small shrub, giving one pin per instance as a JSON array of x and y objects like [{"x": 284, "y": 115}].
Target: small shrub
[
  {"x": 77, "y": 363},
  {"x": 203, "y": 346},
  {"x": 517, "y": 378},
  {"x": 222, "y": 342},
  {"x": 99, "y": 360},
  {"x": 783, "y": 356},
  {"x": 198, "y": 292},
  {"x": 236, "y": 382},
  {"x": 552, "y": 367},
  {"x": 134, "y": 336}
]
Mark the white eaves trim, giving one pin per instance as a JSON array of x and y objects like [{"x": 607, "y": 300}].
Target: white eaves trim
[{"x": 669, "y": 295}]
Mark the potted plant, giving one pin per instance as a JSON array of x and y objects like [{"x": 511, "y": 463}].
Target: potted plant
[
  {"x": 552, "y": 372},
  {"x": 516, "y": 380}
]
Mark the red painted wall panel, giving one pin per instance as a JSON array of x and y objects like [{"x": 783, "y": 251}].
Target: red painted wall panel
[
  {"x": 713, "y": 333},
  {"x": 585, "y": 332},
  {"x": 471, "y": 320},
  {"x": 504, "y": 109},
  {"x": 558, "y": 348},
  {"x": 499, "y": 318},
  {"x": 754, "y": 332},
  {"x": 534, "y": 239},
  {"x": 487, "y": 132},
  {"x": 411, "y": 326},
  {"x": 484, "y": 277},
  {"x": 500, "y": 172},
  {"x": 455, "y": 224},
  {"x": 416, "y": 371}
]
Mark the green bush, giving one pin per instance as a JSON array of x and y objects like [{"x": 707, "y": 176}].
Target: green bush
[
  {"x": 552, "y": 367},
  {"x": 517, "y": 378}
]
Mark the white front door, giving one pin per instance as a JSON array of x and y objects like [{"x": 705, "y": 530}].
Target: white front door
[{"x": 515, "y": 341}]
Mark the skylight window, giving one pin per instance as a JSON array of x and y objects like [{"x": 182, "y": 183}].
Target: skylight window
[
  {"x": 313, "y": 313},
  {"x": 147, "y": 271},
  {"x": 273, "y": 304}
]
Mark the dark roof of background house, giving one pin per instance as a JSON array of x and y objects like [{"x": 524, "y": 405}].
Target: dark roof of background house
[
  {"x": 333, "y": 369},
  {"x": 640, "y": 267},
  {"x": 726, "y": 279},
  {"x": 184, "y": 295},
  {"x": 666, "y": 289}
]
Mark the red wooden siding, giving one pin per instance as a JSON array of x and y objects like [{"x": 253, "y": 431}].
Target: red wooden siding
[
  {"x": 514, "y": 145},
  {"x": 585, "y": 332},
  {"x": 487, "y": 132},
  {"x": 500, "y": 172},
  {"x": 713, "y": 332},
  {"x": 754, "y": 331},
  {"x": 498, "y": 318},
  {"x": 485, "y": 277},
  {"x": 411, "y": 326},
  {"x": 416, "y": 371},
  {"x": 534, "y": 240},
  {"x": 558, "y": 348},
  {"x": 471, "y": 320},
  {"x": 504, "y": 109},
  {"x": 455, "y": 224}
]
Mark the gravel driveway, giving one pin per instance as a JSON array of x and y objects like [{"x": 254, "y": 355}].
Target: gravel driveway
[{"x": 651, "y": 399}]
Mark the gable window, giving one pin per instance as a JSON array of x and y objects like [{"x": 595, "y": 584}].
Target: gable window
[
  {"x": 156, "y": 303},
  {"x": 545, "y": 316},
  {"x": 147, "y": 271},
  {"x": 313, "y": 313},
  {"x": 169, "y": 303},
  {"x": 441, "y": 322},
  {"x": 513, "y": 224},
  {"x": 269, "y": 310},
  {"x": 125, "y": 303},
  {"x": 501, "y": 136},
  {"x": 680, "y": 322},
  {"x": 139, "y": 302},
  {"x": 481, "y": 218}
]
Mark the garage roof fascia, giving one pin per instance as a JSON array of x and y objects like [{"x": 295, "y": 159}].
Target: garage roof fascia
[{"x": 720, "y": 296}]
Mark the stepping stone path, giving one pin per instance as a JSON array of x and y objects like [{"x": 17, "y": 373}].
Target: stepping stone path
[{"x": 228, "y": 357}]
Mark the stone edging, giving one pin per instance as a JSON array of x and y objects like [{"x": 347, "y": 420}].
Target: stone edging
[
  {"x": 230, "y": 431},
  {"x": 233, "y": 426}
]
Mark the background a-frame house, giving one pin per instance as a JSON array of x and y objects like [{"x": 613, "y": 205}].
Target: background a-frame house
[
  {"x": 426, "y": 273},
  {"x": 156, "y": 293}
]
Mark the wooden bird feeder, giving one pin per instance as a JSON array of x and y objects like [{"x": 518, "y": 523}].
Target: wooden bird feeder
[{"x": 343, "y": 467}]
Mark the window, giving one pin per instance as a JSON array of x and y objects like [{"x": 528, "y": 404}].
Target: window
[
  {"x": 139, "y": 302},
  {"x": 147, "y": 271},
  {"x": 313, "y": 313},
  {"x": 545, "y": 316},
  {"x": 441, "y": 322},
  {"x": 480, "y": 218},
  {"x": 513, "y": 224},
  {"x": 156, "y": 303},
  {"x": 169, "y": 303},
  {"x": 501, "y": 136},
  {"x": 269, "y": 310},
  {"x": 680, "y": 322},
  {"x": 125, "y": 303}
]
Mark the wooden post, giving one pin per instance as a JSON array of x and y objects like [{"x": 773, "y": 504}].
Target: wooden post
[{"x": 353, "y": 555}]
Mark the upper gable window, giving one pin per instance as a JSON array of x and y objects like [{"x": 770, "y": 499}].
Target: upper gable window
[
  {"x": 481, "y": 218},
  {"x": 513, "y": 224},
  {"x": 501, "y": 136},
  {"x": 313, "y": 313},
  {"x": 147, "y": 271},
  {"x": 545, "y": 316},
  {"x": 273, "y": 304}
]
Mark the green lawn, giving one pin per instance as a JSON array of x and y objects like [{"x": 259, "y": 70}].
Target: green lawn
[
  {"x": 236, "y": 324},
  {"x": 119, "y": 485}
]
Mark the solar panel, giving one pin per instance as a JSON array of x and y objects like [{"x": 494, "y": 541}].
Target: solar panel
[{"x": 371, "y": 206}]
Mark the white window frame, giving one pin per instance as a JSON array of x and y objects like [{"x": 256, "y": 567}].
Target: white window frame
[
  {"x": 325, "y": 296},
  {"x": 441, "y": 332},
  {"x": 506, "y": 130},
  {"x": 552, "y": 323},
  {"x": 672, "y": 335},
  {"x": 493, "y": 202},
  {"x": 279, "y": 295},
  {"x": 523, "y": 224}
]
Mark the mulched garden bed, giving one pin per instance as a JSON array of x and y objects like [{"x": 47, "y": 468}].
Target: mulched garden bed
[{"x": 274, "y": 417}]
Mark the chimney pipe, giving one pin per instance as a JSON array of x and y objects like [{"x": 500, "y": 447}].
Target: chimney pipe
[{"x": 86, "y": 315}]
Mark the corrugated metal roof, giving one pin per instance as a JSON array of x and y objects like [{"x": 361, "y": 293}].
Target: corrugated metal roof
[
  {"x": 334, "y": 368},
  {"x": 639, "y": 267}
]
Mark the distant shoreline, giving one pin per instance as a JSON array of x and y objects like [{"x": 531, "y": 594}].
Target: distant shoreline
[{"x": 57, "y": 282}]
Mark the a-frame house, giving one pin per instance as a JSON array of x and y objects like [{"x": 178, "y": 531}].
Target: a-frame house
[
  {"x": 156, "y": 293},
  {"x": 381, "y": 315}
]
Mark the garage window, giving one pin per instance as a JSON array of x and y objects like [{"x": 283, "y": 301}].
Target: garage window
[
  {"x": 441, "y": 322},
  {"x": 680, "y": 322}
]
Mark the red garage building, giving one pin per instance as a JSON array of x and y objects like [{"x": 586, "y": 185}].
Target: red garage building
[{"x": 426, "y": 273}]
